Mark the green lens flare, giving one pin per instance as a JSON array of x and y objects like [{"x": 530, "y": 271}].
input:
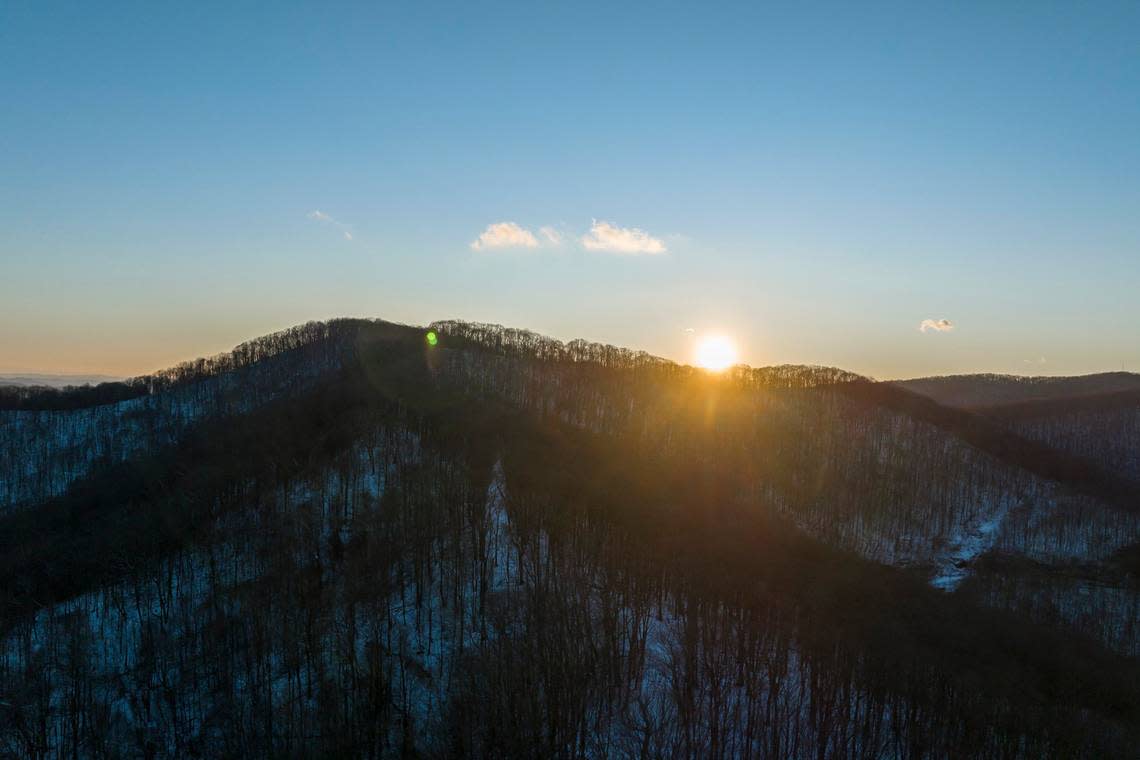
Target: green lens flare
[{"x": 432, "y": 338}]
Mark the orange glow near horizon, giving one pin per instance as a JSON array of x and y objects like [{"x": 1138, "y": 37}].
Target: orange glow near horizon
[{"x": 716, "y": 353}]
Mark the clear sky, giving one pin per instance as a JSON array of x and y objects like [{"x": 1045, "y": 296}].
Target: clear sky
[{"x": 815, "y": 183}]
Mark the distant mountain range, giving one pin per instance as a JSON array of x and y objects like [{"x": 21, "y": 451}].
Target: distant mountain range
[
  {"x": 964, "y": 391},
  {"x": 983, "y": 390},
  {"x": 55, "y": 381}
]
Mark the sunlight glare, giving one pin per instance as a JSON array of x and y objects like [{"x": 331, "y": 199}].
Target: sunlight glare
[{"x": 716, "y": 353}]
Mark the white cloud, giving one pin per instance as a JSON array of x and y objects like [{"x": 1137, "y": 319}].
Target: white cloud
[
  {"x": 551, "y": 235},
  {"x": 504, "y": 235},
  {"x": 604, "y": 236},
  {"x": 938, "y": 325},
  {"x": 323, "y": 218}
]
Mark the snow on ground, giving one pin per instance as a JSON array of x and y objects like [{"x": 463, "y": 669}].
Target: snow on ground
[
  {"x": 952, "y": 565},
  {"x": 43, "y": 452},
  {"x": 121, "y": 625}
]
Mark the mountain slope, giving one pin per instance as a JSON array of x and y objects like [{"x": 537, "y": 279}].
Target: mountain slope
[
  {"x": 1104, "y": 428},
  {"x": 984, "y": 390},
  {"x": 503, "y": 545}
]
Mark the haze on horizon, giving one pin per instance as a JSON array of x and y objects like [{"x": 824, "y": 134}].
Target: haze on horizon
[{"x": 896, "y": 191}]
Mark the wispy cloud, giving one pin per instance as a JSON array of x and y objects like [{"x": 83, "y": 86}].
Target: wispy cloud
[
  {"x": 938, "y": 325},
  {"x": 604, "y": 236},
  {"x": 504, "y": 235},
  {"x": 320, "y": 216},
  {"x": 550, "y": 235}
]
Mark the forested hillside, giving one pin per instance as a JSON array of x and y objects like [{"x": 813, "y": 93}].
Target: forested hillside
[
  {"x": 49, "y": 437},
  {"x": 1104, "y": 428},
  {"x": 348, "y": 540},
  {"x": 973, "y": 391}
]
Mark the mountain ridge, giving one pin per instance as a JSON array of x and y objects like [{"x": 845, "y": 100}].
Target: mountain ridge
[
  {"x": 402, "y": 544},
  {"x": 980, "y": 390}
]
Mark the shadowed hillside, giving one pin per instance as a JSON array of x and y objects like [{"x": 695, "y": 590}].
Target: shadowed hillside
[
  {"x": 496, "y": 544},
  {"x": 992, "y": 390}
]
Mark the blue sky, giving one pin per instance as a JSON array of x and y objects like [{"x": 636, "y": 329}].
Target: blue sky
[{"x": 814, "y": 182}]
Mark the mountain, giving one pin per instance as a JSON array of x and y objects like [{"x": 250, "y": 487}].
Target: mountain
[
  {"x": 55, "y": 381},
  {"x": 1102, "y": 428},
  {"x": 1091, "y": 418},
  {"x": 344, "y": 539},
  {"x": 984, "y": 390}
]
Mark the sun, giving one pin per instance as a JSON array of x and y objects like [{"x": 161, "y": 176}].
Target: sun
[{"x": 716, "y": 353}]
